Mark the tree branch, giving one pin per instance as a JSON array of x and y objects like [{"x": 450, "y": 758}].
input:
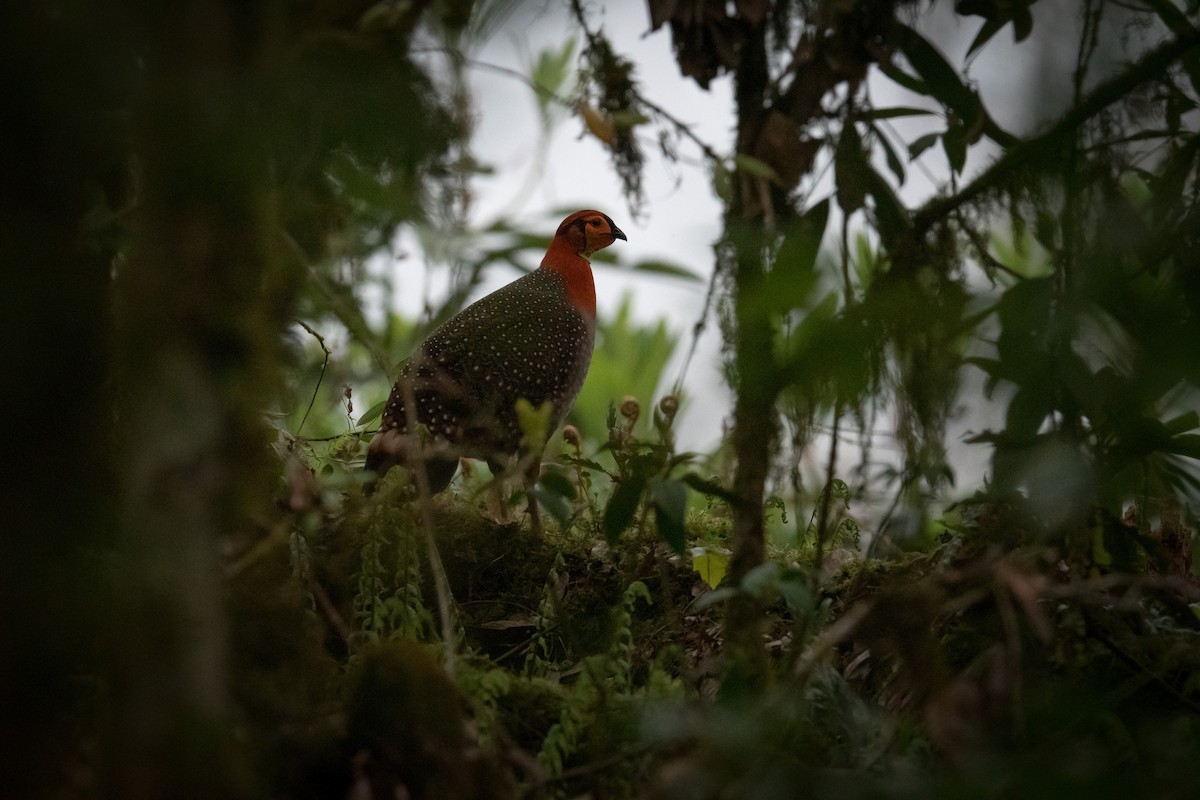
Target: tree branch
[{"x": 1151, "y": 65}]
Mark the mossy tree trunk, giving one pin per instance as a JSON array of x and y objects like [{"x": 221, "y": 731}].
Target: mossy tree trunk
[
  {"x": 196, "y": 359},
  {"x": 747, "y": 224},
  {"x": 59, "y": 159}
]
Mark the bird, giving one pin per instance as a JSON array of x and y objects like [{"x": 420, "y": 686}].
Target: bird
[{"x": 531, "y": 339}]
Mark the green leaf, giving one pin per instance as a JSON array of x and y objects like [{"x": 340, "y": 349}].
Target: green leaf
[
  {"x": 553, "y": 502},
  {"x": 889, "y": 152},
  {"x": 665, "y": 268},
  {"x": 1184, "y": 480},
  {"x": 1179, "y": 24},
  {"x": 1184, "y": 422},
  {"x": 921, "y": 144},
  {"x": 722, "y": 181},
  {"x": 849, "y": 170},
  {"x": 890, "y": 214},
  {"x": 711, "y": 565},
  {"x": 1100, "y": 553},
  {"x": 793, "y": 588},
  {"x": 552, "y": 71},
  {"x": 715, "y": 596},
  {"x": 670, "y": 505},
  {"x": 712, "y": 488},
  {"x": 943, "y": 80},
  {"x": 899, "y": 76},
  {"x": 1022, "y": 22},
  {"x": 1185, "y": 444},
  {"x": 753, "y": 166},
  {"x": 628, "y": 118},
  {"x": 1169, "y": 184},
  {"x": 954, "y": 142},
  {"x": 1029, "y": 406},
  {"x": 793, "y": 274},
  {"x": 557, "y": 483},
  {"x": 586, "y": 463},
  {"x": 622, "y": 506},
  {"x": 989, "y": 29},
  {"x": 802, "y": 242},
  {"x": 896, "y": 111},
  {"x": 761, "y": 579},
  {"x": 372, "y": 413}
]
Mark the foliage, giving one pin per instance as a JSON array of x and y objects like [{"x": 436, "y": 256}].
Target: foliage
[
  {"x": 628, "y": 361},
  {"x": 197, "y": 613}
]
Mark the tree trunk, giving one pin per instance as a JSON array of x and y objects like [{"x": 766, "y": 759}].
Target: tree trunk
[
  {"x": 57, "y": 466},
  {"x": 195, "y": 361},
  {"x": 754, "y": 411}
]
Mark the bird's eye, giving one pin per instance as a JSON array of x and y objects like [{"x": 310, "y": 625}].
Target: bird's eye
[{"x": 594, "y": 222}]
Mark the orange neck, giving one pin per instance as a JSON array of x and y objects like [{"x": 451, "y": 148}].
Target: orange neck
[{"x": 576, "y": 271}]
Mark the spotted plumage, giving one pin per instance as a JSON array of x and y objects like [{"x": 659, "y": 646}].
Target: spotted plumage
[{"x": 531, "y": 339}]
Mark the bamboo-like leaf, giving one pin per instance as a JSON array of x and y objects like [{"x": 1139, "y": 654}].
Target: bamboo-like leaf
[
  {"x": 670, "y": 505},
  {"x": 943, "y": 80},
  {"x": 1179, "y": 24},
  {"x": 889, "y": 153},
  {"x": 793, "y": 275},
  {"x": 902, "y": 78},
  {"x": 1185, "y": 444},
  {"x": 756, "y": 167},
  {"x": 372, "y": 413},
  {"x": 622, "y": 506},
  {"x": 989, "y": 29},
  {"x": 848, "y": 170},
  {"x": 896, "y": 111},
  {"x": 922, "y": 143},
  {"x": 707, "y": 487},
  {"x": 557, "y": 483},
  {"x": 890, "y": 214},
  {"x": 954, "y": 142},
  {"x": 553, "y": 502},
  {"x": 665, "y": 268}
]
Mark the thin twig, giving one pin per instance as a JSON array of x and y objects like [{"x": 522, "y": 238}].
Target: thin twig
[
  {"x": 1139, "y": 667},
  {"x": 682, "y": 129},
  {"x": 332, "y": 615},
  {"x": 701, "y": 322},
  {"x": 596, "y": 766},
  {"x": 1152, "y": 65},
  {"x": 364, "y": 432},
  {"x": 831, "y": 637},
  {"x": 1105, "y": 583},
  {"x": 324, "y": 364},
  {"x": 425, "y": 500},
  {"x": 827, "y": 495},
  {"x": 981, "y": 249},
  {"x": 275, "y": 537},
  {"x": 338, "y": 306}
]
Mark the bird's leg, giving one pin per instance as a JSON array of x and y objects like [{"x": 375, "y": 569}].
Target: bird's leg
[
  {"x": 535, "y": 516},
  {"x": 532, "y": 473},
  {"x": 497, "y": 493}
]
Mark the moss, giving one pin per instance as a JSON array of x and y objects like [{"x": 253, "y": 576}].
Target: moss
[
  {"x": 407, "y": 729},
  {"x": 530, "y": 709}
]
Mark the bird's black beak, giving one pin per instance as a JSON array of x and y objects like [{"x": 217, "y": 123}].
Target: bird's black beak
[{"x": 617, "y": 232}]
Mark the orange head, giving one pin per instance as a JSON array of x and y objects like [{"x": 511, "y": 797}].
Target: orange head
[
  {"x": 585, "y": 232},
  {"x": 580, "y": 235}
]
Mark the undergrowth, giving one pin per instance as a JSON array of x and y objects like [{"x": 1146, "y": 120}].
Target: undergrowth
[{"x": 1000, "y": 660}]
